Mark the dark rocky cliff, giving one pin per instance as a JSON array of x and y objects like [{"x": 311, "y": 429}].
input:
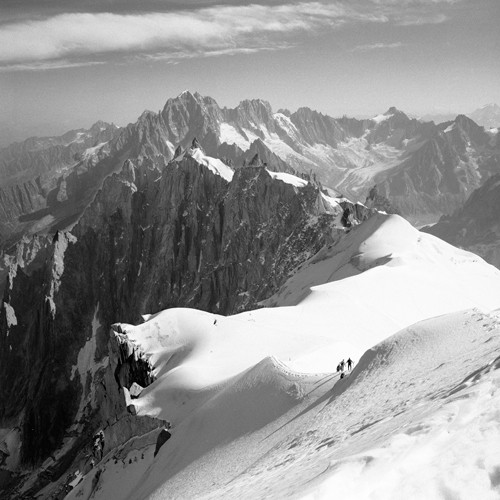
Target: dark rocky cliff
[
  {"x": 45, "y": 183},
  {"x": 476, "y": 226}
]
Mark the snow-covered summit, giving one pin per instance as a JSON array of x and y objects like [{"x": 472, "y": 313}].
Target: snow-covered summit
[{"x": 488, "y": 115}]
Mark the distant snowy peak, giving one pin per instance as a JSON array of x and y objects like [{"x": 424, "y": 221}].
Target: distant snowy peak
[
  {"x": 438, "y": 117},
  {"x": 392, "y": 112},
  {"x": 488, "y": 116},
  {"x": 466, "y": 131}
]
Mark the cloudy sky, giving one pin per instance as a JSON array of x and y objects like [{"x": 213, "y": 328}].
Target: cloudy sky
[{"x": 66, "y": 63}]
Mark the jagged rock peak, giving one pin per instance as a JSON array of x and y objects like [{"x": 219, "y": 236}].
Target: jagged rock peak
[
  {"x": 146, "y": 114},
  {"x": 285, "y": 111},
  {"x": 178, "y": 152},
  {"x": 128, "y": 171},
  {"x": 465, "y": 121},
  {"x": 101, "y": 125},
  {"x": 255, "y": 108},
  {"x": 186, "y": 93},
  {"x": 378, "y": 201},
  {"x": 187, "y": 98},
  {"x": 395, "y": 112},
  {"x": 255, "y": 161},
  {"x": 392, "y": 111},
  {"x": 305, "y": 112},
  {"x": 191, "y": 96},
  {"x": 471, "y": 129},
  {"x": 195, "y": 144}
]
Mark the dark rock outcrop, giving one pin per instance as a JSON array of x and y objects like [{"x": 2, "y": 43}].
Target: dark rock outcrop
[
  {"x": 378, "y": 202},
  {"x": 45, "y": 183},
  {"x": 476, "y": 226},
  {"x": 163, "y": 437}
]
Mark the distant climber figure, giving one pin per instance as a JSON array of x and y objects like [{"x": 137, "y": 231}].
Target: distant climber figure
[
  {"x": 338, "y": 367},
  {"x": 349, "y": 364},
  {"x": 342, "y": 375},
  {"x": 342, "y": 365},
  {"x": 215, "y": 321}
]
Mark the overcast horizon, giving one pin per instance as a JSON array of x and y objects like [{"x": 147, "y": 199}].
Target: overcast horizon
[{"x": 67, "y": 64}]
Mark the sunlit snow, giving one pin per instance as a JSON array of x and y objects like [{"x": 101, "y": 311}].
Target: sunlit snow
[
  {"x": 213, "y": 164},
  {"x": 230, "y": 135},
  {"x": 381, "y": 118},
  {"x": 288, "y": 178}
]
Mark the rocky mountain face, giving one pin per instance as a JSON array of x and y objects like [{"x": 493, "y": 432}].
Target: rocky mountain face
[
  {"x": 158, "y": 234},
  {"x": 476, "y": 226},
  {"x": 424, "y": 170},
  {"x": 45, "y": 182},
  {"x": 451, "y": 160}
]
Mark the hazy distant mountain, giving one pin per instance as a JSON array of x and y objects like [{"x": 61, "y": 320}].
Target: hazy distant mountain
[
  {"x": 488, "y": 116},
  {"x": 438, "y": 117},
  {"x": 44, "y": 181}
]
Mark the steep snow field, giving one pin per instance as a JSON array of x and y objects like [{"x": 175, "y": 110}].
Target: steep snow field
[
  {"x": 258, "y": 410},
  {"x": 288, "y": 178},
  {"x": 213, "y": 164}
]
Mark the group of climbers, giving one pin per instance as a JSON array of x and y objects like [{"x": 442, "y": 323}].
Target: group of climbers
[{"x": 343, "y": 365}]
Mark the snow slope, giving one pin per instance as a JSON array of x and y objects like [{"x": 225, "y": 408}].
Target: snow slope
[
  {"x": 418, "y": 418},
  {"x": 288, "y": 178},
  {"x": 250, "y": 396},
  {"x": 213, "y": 164}
]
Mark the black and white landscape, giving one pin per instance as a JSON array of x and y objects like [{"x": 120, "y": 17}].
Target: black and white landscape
[{"x": 180, "y": 293}]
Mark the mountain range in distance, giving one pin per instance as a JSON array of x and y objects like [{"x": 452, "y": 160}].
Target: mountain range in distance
[
  {"x": 488, "y": 116},
  {"x": 425, "y": 170}
]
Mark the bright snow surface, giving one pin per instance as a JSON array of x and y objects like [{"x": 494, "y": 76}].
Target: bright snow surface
[
  {"x": 213, "y": 164},
  {"x": 259, "y": 412},
  {"x": 288, "y": 178}
]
